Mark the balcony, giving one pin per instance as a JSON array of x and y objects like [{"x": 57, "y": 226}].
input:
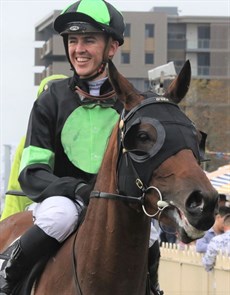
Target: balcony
[
  {"x": 209, "y": 72},
  {"x": 203, "y": 43},
  {"x": 47, "y": 48},
  {"x": 207, "y": 45},
  {"x": 203, "y": 70},
  {"x": 179, "y": 44},
  {"x": 198, "y": 45}
]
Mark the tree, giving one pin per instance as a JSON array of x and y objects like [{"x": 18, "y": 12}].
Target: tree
[{"x": 208, "y": 105}]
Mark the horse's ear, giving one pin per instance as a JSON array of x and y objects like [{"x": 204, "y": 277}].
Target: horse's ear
[
  {"x": 179, "y": 87},
  {"x": 125, "y": 91}
]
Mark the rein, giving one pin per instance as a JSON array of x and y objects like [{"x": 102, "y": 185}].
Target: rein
[
  {"x": 161, "y": 204},
  {"x": 74, "y": 264}
]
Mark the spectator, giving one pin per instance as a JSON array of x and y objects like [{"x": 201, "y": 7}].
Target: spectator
[
  {"x": 167, "y": 236},
  {"x": 222, "y": 200},
  {"x": 218, "y": 244},
  {"x": 216, "y": 229}
]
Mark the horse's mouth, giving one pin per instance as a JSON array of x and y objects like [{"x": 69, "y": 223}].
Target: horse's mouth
[
  {"x": 183, "y": 229},
  {"x": 186, "y": 232}
]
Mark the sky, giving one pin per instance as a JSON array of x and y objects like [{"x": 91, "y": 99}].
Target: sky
[{"x": 17, "y": 22}]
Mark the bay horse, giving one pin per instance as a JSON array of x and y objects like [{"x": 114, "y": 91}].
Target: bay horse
[{"x": 151, "y": 168}]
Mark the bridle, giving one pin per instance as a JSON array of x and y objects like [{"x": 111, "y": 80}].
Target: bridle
[
  {"x": 132, "y": 182},
  {"x": 161, "y": 204}
]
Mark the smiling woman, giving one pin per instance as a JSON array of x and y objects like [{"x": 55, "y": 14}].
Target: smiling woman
[
  {"x": 98, "y": 34},
  {"x": 87, "y": 50}
]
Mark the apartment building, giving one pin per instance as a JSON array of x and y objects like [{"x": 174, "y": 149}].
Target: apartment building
[{"x": 152, "y": 38}]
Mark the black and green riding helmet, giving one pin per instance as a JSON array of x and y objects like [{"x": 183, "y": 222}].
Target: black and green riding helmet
[{"x": 91, "y": 16}]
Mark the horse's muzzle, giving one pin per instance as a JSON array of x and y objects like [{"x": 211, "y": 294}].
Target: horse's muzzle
[{"x": 201, "y": 208}]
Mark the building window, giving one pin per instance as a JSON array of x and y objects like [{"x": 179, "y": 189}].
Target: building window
[
  {"x": 176, "y": 36},
  {"x": 204, "y": 32},
  {"x": 125, "y": 57},
  {"x": 146, "y": 85},
  {"x": 203, "y": 37},
  {"x": 127, "y": 30},
  {"x": 176, "y": 31},
  {"x": 149, "y": 30},
  {"x": 203, "y": 60},
  {"x": 149, "y": 58}
]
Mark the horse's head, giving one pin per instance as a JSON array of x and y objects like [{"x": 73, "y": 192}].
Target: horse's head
[{"x": 159, "y": 155}]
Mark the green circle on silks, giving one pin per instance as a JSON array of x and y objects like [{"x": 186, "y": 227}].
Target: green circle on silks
[{"x": 85, "y": 136}]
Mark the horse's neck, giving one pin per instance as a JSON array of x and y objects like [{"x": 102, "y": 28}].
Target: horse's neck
[
  {"x": 106, "y": 179},
  {"x": 115, "y": 239},
  {"x": 112, "y": 249}
]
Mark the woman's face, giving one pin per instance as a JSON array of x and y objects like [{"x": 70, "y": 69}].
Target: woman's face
[{"x": 86, "y": 53}]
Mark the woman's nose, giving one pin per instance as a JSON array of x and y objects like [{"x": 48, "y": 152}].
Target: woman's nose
[{"x": 79, "y": 47}]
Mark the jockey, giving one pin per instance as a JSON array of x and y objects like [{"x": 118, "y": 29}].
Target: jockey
[{"x": 57, "y": 170}]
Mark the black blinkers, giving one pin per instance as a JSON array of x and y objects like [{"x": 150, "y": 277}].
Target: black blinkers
[{"x": 173, "y": 130}]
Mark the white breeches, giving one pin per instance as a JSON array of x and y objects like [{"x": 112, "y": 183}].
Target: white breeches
[{"x": 57, "y": 216}]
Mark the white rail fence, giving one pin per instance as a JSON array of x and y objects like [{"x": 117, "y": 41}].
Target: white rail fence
[{"x": 181, "y": 273}]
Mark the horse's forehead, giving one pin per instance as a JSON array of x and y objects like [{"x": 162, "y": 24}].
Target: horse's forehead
[
  {"x": 179, "y": 130},
  {"x": 163, "y": 111}
]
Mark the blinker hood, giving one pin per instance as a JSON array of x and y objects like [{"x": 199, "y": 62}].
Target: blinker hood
[{"x": 174, "y": 132}]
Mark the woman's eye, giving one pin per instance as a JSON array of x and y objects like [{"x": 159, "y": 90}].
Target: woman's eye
[
  {"x": 71, "y": 41},
  {"x": 90, "y": 40}
]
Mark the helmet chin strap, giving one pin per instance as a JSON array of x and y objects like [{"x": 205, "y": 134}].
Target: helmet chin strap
[{"x": 100, "y": 70}]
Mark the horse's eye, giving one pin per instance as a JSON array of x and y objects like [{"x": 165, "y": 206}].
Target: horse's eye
[
  {"x": 145, "y": 140},
  {"x": 143, "y": 136},
  {"x": 140, "y": 137}
]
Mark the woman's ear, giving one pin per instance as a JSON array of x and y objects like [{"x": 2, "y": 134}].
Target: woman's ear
[{"x": 113, "y": 48}]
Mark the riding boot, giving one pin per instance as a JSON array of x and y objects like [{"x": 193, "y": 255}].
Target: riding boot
[
  {"x": 153, "y": 265},
  {"x": 22, "y": 255}
]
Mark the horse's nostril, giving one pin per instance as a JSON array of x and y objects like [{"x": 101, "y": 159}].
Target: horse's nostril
[{"x": 195, "y": 202}]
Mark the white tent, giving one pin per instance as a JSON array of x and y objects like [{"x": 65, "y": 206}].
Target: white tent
[{"x": 220, "y": 179}]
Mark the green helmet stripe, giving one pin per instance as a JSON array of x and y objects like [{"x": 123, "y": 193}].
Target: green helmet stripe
[
  {"x": 33, "y": 155},
  {"x": 98, "y": 12},
  {"x": 65, "y": 9}
]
